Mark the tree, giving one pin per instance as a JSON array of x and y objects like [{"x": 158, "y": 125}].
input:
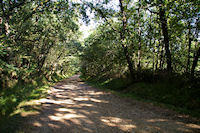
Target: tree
[{"x": 34, "y": 30}]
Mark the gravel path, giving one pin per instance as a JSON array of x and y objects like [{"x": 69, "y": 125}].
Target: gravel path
[{"x": 72, "y": 106}]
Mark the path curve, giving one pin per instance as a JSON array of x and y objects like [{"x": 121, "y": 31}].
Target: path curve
[{"x": 72, "y": 106}]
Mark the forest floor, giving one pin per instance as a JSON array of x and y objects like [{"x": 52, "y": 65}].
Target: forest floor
[{"x": 72, "y": 106}]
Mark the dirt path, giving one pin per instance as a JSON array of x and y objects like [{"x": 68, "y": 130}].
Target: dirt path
[{"x": 74, "y": 107}]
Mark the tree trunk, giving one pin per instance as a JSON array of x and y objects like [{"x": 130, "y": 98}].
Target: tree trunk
[
  {"x": 161, "y": 55},
  {"x": 139, "y": 58},
  {"x": 197, "y": 54},
  {"x": 122, "y": 37},
  {"x": 139, "y": 40},
  {"x": 195, "y": 61},
  {"x": 128, "y": 59},
  {"x": 189, "y": 49},
  {"x": 45, "y": 52},
  {"x": 153, "y": 57},
  {"x": 163, "y": 21}
]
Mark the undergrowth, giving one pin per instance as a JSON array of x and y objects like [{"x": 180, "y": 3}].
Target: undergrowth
[{"x": 13, "y": 101}]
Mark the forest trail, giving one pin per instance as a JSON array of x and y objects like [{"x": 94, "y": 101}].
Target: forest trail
[{"x": 72, "y": 106}]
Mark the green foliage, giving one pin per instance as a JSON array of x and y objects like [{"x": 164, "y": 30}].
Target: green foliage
[
  {"x": 12, "y": 97},
  {"x": 153, "y": 44},
  {"x": 38, "y": 38},
  {"x": 38, "y": 43},
  {"x": 169, "y": 93},
  {"x": 13, "y": 101},
  {"x": 137, "y": 43},
  {"x": 102, "y": 54}
]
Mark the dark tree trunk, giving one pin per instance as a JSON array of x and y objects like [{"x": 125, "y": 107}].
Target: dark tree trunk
[
  {"x": 189, "y": 49},
  {"x": 139, "y": 52},
  {"x": 163, "y": 21},
  {"x": 197, "y": 54},
  {"x": 153, "y": 57},
  {"x": 122, "y": 37},
  {"x": 161, "y": 56},
  {"x": 45, "y": 52},
  {"x": 195, "y": 61},
  {"x": 128, "y": 59}
]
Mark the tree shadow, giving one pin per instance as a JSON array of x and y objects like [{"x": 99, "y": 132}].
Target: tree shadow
[
  {"x": 10, "y": 100},
  {"x": 75, "y": 107}
]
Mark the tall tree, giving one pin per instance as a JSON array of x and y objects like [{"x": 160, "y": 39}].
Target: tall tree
[
  {"x": 122, "y": 36},
  {"x": 163, "y": 20}
]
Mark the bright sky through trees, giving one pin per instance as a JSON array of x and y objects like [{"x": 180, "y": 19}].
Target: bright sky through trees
[{"x": 87, "y": 29}]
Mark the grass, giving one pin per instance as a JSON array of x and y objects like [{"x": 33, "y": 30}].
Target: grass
[
  {"x": 173, "y": 95},
  {"x": 21, "y": 92},
  {"x": 12, "y": 101},
  {"x": 18, "y": 100},
  {"x": 182, "y": 100}
]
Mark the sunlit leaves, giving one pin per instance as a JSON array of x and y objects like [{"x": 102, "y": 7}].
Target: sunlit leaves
[{"x": 38, "y": 37}]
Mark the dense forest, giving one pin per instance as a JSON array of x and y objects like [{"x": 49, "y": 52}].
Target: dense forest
[
  {"x": 146, "y": 48},
  {"x": 38, "y": 44},
  {"x": 37, "y": 38},
  {"x": 145, "y": 36}
]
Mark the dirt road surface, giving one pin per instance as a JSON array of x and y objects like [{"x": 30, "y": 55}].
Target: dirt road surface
[{"x": 72, "y": 106}]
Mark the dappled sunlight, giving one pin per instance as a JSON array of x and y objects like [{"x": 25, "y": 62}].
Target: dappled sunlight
[
  {"x": 65, "y": 110},
  {"x": 193, "y": 126},
  {"x": 87, "y": 105},
  {"x": 37, "y": 124},
  {"x": 69, "y": 87},
  {"x": 55, "y": 118},
  {"x": 52, "y": 101},
  {"x": 53, "y": 125},
  {"x": 30, "y": 113},
  {"x": 81, "y": 99},
  {"x": 95, "y": 93},
  {"x": 71, "y": 116},
  {"x": 60, "y": 96},
  {"x": 75, "y": 121},
  {"x": 30, "y": 103},
  {"x": 98, "y": 101},
  {"x": 89, "y": 99},
  {"x": 157, "y": 120},
  {"x": 81, "y": 108},
  {"x": 123, "y": 124}
]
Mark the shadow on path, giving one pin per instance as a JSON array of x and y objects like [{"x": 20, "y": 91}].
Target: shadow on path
[{"x": 74, "y": 107}]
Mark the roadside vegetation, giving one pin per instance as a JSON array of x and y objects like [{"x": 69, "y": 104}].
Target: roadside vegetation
[
  {"x": 177, "y": 96},
  {"x": 146, "y": 49},
  {"x": 38, "y": 47}
]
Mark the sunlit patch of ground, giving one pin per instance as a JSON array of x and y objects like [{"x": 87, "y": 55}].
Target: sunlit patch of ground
[
  {"x": 37, "y": 124},
  {"x": 157, "y": 120},
  {"x": 193, "y": 126},
  {"x": 123, "y": 124}
]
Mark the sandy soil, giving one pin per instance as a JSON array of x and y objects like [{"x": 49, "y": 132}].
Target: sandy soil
[{"x": 72, "y": 106}]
